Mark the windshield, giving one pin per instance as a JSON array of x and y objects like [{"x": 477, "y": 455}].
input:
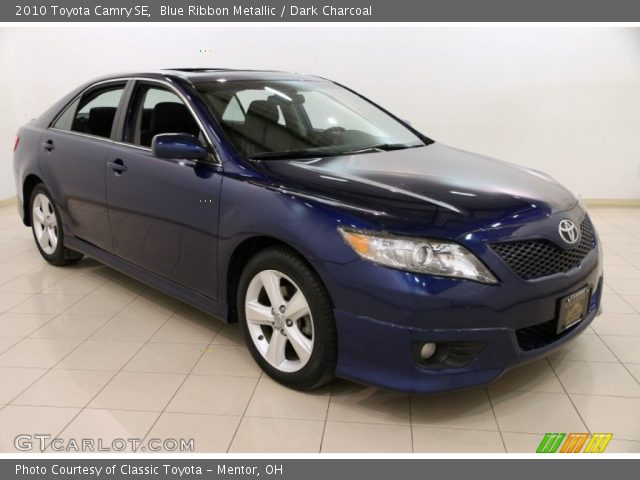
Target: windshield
[{"x": 295, "y": 119}]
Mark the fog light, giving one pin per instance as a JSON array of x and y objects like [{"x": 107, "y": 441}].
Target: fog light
[
  {"x": 427, "y": 350},
  {"x": 441, "y": 355}
]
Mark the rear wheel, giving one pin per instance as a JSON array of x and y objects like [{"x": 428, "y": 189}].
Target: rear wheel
[
  {"x": 287, "y": 319},
  {"x": 47, "y": 229}
]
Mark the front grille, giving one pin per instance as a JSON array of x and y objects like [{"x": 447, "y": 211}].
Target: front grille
[{"x": 532, "y": 259}]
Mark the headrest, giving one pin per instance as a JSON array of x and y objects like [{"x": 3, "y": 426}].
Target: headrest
[
  {"x": 263, "y": 110},
  {"x": 101, "y": 120}
]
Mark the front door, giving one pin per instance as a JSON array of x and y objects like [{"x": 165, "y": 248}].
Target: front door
[{"x": 163, "y": 212}]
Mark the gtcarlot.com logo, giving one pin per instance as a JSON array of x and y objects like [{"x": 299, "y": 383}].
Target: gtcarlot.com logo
[
  {"x": 41, "y": 442},
  {"x": 574, "y": 443}
]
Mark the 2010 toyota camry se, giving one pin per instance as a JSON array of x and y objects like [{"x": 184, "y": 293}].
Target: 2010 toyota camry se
[{"x": 343, "y": 240}]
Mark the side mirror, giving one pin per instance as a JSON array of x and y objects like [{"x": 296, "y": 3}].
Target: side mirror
[{"x": 178, "y": 145}]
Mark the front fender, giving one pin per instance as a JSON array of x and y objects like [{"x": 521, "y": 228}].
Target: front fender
[{"x": 250, "y": 209}]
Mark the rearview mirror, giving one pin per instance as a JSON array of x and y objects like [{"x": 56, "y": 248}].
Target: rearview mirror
[{"x": 178, "y": 145}]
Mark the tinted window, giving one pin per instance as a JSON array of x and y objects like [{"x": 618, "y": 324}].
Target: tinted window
[
  {"x": 65, "y": 121},
  {"x": 96, "y": 111},
  {"x": 157, "y": 110}
]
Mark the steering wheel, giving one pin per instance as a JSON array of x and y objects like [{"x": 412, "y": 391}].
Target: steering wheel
[{"x": 335, "y": 132}]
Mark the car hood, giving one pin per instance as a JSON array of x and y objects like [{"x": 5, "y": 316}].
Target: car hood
[{"x": 435, "y": 180}]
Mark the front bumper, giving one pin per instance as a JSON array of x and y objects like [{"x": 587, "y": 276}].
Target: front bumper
[
  {"x": 389, "y": 364},
  {"x": 398, "y": 309}
]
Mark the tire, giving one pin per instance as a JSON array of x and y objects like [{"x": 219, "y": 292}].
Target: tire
[
  {"x": 47, "y": 229},
  {"x": 295, "y": 348}
]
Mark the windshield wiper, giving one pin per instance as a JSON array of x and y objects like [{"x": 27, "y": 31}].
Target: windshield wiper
[
  {"x": 382, "y": 147},
  {"x": 291, "y": 154}
]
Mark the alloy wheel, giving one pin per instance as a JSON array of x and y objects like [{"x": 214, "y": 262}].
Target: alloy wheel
[
  {"x": 279, "y": 321},
  {"x": 45, "y": 223}
]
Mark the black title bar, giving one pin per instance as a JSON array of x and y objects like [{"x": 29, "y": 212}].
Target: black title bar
[
  {"x": 319, "y": 11},
  {"x": 315, "y": 469}
]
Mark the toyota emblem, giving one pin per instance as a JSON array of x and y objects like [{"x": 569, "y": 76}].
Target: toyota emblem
[{"x": 568, "y": 231}]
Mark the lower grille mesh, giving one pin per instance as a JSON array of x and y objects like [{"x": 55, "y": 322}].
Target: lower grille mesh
[{"x": 541, "y": 335}]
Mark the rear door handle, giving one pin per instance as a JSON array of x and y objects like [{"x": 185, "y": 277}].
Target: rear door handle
[
  {"x": 117, "y": 166},
  {"x": 48, "y": 145}
]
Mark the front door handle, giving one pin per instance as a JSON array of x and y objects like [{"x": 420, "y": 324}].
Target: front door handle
[
  {"x": 48, "y": 145},
  {"x": 117, "y": 166}
]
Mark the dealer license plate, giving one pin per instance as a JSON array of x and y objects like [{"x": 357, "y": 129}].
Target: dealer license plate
[{"x": 573, "y": 308}]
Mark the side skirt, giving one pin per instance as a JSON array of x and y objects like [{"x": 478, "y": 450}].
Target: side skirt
[{"x": 183, "y": 294}]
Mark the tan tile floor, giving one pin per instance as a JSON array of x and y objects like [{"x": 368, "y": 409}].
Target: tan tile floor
[{"x": 88, "y": 352}]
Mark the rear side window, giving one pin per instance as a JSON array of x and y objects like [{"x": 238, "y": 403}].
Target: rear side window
[
  {"x": 234, "y": 112},
  {"x": 65, "y": 121},
  {"x": 93, "y": 113}
]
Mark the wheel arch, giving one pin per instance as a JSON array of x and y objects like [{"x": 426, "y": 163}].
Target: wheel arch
[
  {"x": 28, "y": 185},
  {"x": 241, "y": 255}
]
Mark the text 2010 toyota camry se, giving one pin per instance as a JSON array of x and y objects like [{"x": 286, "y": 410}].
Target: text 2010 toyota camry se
[{"x": 344, "y": 241}]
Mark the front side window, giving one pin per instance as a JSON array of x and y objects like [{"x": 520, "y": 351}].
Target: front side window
[
  {"x": 93, "y": 113},
  {"x": 157, "y": 110},
  {"x": 289, "y": 119}
]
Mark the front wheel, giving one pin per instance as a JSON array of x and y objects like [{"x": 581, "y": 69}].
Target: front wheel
[
  {"x": 287, "y": 319},
  {"x": 47, "y": 229}
]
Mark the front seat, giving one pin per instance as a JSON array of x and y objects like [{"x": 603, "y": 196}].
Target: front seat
[
  {"x": 169, "y": 117},
  {"x": 262, "y": 130}
]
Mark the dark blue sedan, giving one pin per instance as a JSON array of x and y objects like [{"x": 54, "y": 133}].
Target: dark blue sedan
[{"x": 344, "y": 241}]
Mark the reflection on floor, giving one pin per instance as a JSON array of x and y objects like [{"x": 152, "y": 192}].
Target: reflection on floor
[{"x": 88, "y": 353}]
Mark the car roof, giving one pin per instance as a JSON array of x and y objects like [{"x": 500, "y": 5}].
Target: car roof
[{"x": 197, "y": 75}]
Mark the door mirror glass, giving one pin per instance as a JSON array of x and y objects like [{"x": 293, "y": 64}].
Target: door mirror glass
[{"x": 178, "y": 145}]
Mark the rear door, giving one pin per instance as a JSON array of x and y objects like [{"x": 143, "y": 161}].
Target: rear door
[
  {"x": 164, "y": 212},
  {"x": 73, "y": 157}
]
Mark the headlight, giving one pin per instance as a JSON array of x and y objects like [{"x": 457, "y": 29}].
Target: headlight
[{"x": 434, "y": 257}]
